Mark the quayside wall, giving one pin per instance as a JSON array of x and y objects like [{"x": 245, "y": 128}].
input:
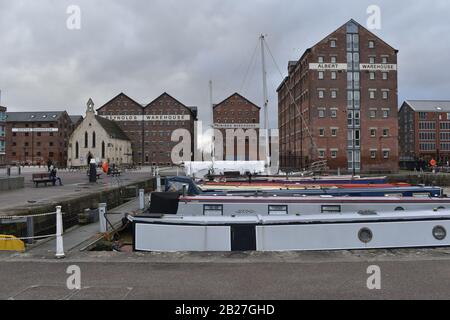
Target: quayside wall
[{"x": 71, "y": 207}]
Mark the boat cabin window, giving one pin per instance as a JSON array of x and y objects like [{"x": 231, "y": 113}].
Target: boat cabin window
[
  {"x": 421, "y": 195},
  {"x": 399, "y": 209},
  {"x": 394, "y": 195},
  {"x": 213, "y": 210},
  {"x": 278, "y": 210},
  {"x": 331, "y": 209}
]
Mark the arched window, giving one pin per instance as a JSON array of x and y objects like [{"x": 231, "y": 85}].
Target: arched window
[
  {"x": 103, "y": 149},
  {"x": 77, "y": 150},
  {"x": 93, "y": 139},
  {"x": 86, "y": 138}
]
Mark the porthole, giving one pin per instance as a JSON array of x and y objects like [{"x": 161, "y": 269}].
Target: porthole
[
  {"x": 365, "y": 235},
  {"x": 439, "y": 233},
  {"x": 399, "y": 209}
]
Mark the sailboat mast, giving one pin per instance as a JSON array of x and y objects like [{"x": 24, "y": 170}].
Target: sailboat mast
[
  {"x": 213, "y": 138},
  {"x": 266, "y": 101}
]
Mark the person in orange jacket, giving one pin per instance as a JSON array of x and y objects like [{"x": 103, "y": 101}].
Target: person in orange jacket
[
  {"x": 105, "y": 167},
  {"x": 433, "y": 163}
]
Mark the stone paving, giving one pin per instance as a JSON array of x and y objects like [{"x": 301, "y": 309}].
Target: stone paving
[
  {"x": 75, "y": 183},
  {"x": 405, "y": 274}
]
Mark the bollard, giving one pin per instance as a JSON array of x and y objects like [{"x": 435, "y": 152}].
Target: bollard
[
  {"x": 141, "y": 199},
  {"x": 30, "y": 230},
  {"x": 59, "y": 232},
  {"x": 158, "y": 183},
  {"x": 102, "y": 217}
]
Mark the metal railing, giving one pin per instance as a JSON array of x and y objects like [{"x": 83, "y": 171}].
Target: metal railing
[{"x": 58, "y": 235}]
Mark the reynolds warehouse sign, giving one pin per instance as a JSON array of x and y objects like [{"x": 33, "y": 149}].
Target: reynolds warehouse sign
[{"x": 149, "y": 117}]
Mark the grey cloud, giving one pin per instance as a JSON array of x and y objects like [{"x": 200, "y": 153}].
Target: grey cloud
[{"x": 146, "y": 47}]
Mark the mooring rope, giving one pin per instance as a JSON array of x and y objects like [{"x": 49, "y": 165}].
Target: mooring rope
[
  {"x": 28, "y": 238},
  {"x": 28, "y": 216}
]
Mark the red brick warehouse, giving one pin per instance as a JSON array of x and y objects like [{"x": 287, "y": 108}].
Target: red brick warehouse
[
  {"x": 345, "y": 110},
  {"x": 238, "y": 113},
  {"x": 150, "y": 126},
  {"x": 36, "y": 137}
]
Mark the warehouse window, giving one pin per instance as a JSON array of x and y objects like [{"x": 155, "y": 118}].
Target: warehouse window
[{"x": 373, "y": 133}]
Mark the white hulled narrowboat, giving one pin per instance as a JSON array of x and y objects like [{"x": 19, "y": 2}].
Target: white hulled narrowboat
[{"x": 168, "y": 233}]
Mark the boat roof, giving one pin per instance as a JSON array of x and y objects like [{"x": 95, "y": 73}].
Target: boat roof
[
  {"x": 294, "y": 219},
  {"x": 216, "y": 198}
]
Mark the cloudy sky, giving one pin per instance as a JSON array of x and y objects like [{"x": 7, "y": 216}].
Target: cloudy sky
[{"x": 144, "y": 48}]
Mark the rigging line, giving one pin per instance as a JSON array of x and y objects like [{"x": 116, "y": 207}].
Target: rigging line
[
  {"x": 292, "y": 96},
  {"x": 251, "y": 75},
  {"x": 249, "y": 66}
]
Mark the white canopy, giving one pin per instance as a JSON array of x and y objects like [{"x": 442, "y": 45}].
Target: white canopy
[{"x": 201, "y": 168}]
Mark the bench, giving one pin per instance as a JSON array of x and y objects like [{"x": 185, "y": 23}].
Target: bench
[
  {"x": 115, "y": 172},
  {"x": 42, "y": 178}
]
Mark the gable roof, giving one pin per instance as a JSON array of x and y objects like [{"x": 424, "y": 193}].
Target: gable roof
[
  {"x": 41, "y": 116},
  {"x": 240, "y": 96},
  {"x": 192, "y": 110},
  {"x": 75, "y": 119},
  {"x": 112, "y": 128},
  {"x": 428, "y": 105},
  {"x": 360, "y": 26},
  {"x": 291, "y": 63},
  {"x": 119, "y": 95}
]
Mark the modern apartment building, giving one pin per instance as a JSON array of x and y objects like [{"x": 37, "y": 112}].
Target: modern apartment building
[
  {"x": 424, "y": 131},
  {"x": 2, "y": 136}
]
